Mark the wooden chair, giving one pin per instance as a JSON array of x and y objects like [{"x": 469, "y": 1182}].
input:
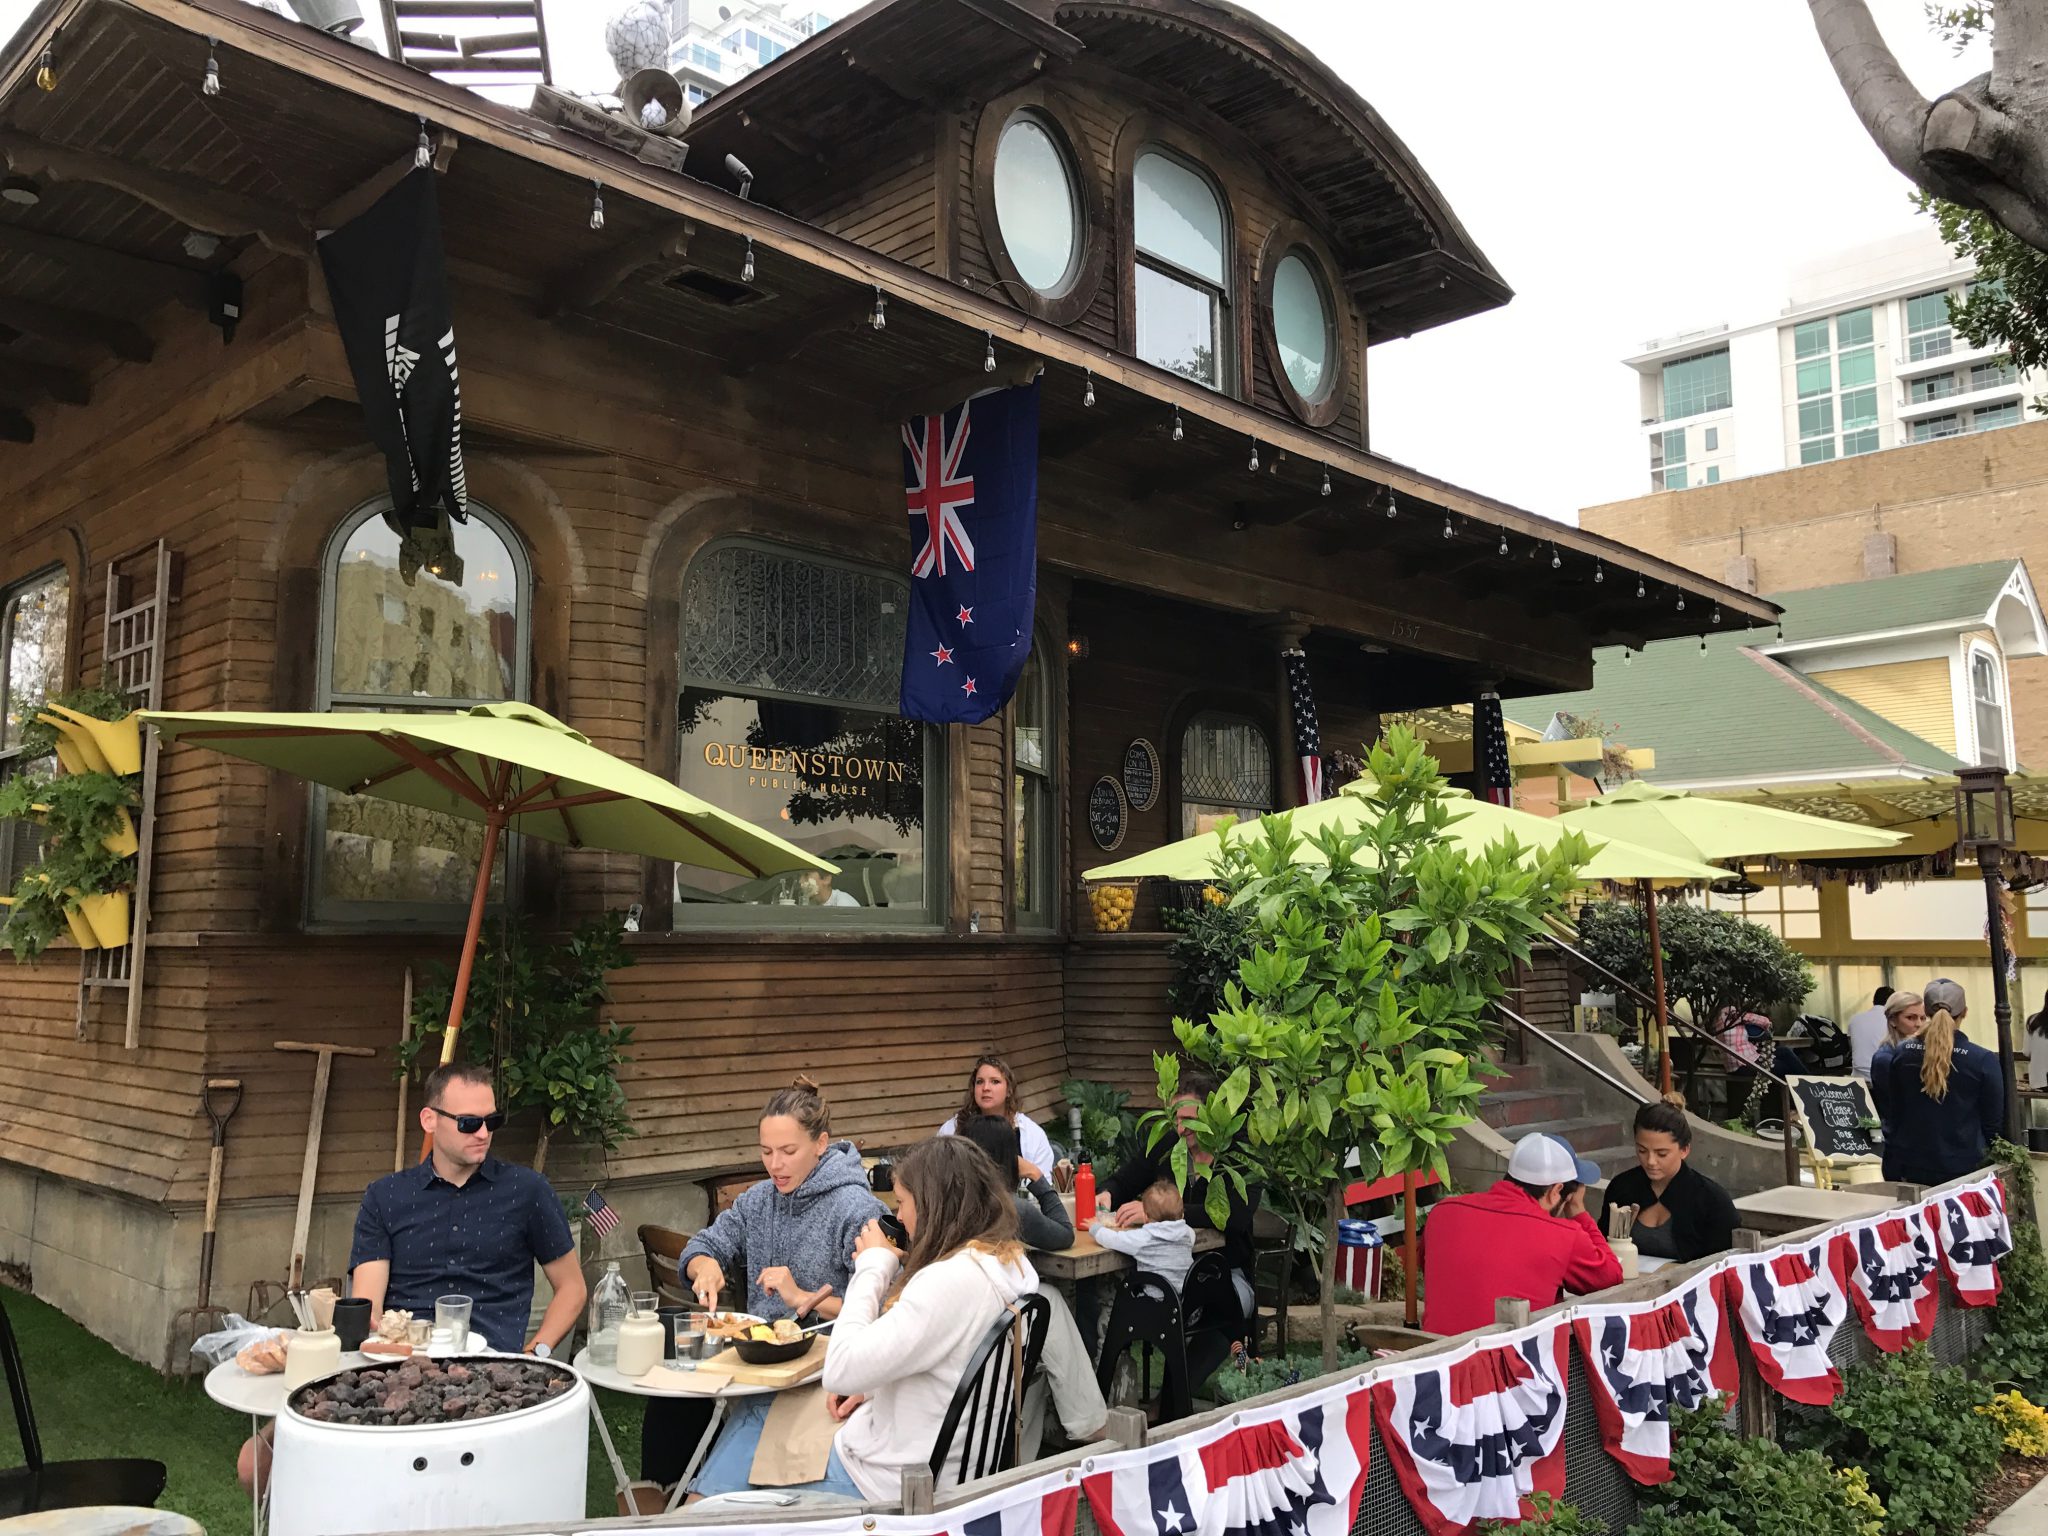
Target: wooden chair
[
  {"x": 1146, "y": 1313},
  {"x": 663, "y": 1248},
  {"x": 39, "y": 1485},
  {"x": 979, "y": 1432}
]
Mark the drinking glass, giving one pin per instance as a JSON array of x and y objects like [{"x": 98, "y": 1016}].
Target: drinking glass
[
  {"x": 643, "y": 1301},
  {"x": 451, "y": 1320}
]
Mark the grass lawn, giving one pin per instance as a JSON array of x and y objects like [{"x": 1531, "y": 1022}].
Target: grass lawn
[{"x": 92, "y": 1401}]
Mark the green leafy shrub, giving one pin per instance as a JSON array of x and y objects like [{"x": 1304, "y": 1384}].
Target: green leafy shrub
[
  {"x": 534, "y": 1009},
  {"x": 1712, "y": 960},
  {"x": 1725, "y": 1485},
  {"x": 1553, "y": 1517},
  {"x": 1211, "y": 940},
  {"x": 2015, "y": 1348},
  {"x": 1912, "y": 1425},
  {"x": 1109, "y": 1129}
]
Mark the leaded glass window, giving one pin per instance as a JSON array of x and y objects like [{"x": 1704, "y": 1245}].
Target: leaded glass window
[
  {"x": 1226, "y": 769},
  {"x": 791, "y": 669}
]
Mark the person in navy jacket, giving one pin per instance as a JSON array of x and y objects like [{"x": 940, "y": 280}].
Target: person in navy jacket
[{"x": 1940, "y": 1097}]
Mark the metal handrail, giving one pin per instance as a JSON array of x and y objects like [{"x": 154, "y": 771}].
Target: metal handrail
[
  {"x": 1556, "y": 941},
  {"x": 1635, "y": 1091}
]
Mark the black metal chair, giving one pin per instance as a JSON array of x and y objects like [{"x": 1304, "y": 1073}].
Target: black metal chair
[
  {"x": 1212, "y": 1316},
  {"x": 979, "y": 1432},
  {"x": 38, "y": 1485},
  {"x": 1273, "y": 1260},
  {"x": 1146, "y": 1313}
]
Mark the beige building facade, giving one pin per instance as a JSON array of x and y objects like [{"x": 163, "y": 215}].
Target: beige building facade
[{"x": 1923, "y": 507}]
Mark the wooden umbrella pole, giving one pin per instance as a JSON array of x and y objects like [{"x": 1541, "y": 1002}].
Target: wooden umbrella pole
[
  {"x": 494, "y": 825},
  {"x": 1657, "y": 987},
  {"x": 1408, "y": 1244}
]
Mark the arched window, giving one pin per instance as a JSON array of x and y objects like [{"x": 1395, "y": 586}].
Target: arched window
[
  {"x": 1181, "y": 251},
  {"x": 1987, "y": 703},
  {"x": 35, "y": 637},
  {"x": 1226, "y": 769},
  {"x": 791, "y": 671},
  {"x": 1034, "y": 847},
  {"x": 1039, "y": 212},
  {"x": 399, "y": 636}
]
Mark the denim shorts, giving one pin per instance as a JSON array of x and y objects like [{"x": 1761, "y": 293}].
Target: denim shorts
[{"x": 731, "y": 1462}]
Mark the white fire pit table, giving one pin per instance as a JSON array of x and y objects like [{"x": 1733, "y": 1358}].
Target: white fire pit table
[{"x": 611, "y": 1381}]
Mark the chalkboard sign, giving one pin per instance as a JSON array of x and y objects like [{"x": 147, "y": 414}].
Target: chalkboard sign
[
  {"x": 1141, "y": 774},
  {"x": 1834, "y": 1112},
  {"x": 1108, "y": 812}
]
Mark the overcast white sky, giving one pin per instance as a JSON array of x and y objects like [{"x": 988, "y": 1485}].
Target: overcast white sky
[{"x": 1633, "y": 168}]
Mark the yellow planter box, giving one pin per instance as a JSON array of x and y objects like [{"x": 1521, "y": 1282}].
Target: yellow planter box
[
  {"x": 69, "y": 758},
  {"x": 81, "y": 930},
  {"x": 84, "y": 749},
  {"x": 108, "y": 917},
  {"x": 123, "y": 844},
  {"x": 119, "y": 742}
]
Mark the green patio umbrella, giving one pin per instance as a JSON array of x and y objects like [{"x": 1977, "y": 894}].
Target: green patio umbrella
[
  {"x": 1694, "y": 827},
  {"x": 511, "y": 767},
  {"x": 1476, "y": 824}
]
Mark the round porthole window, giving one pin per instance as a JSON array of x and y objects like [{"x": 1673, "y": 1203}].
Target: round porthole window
[
  {"x": 1302, "y": 324},
  {"x": 1038, "y": 208}
]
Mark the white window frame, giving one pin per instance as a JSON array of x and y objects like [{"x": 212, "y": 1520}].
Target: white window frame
[
  {"x": 1971, "y": 708},
  {"x": 21, "y": 843},
  {"x": 1221, "y": 298}
]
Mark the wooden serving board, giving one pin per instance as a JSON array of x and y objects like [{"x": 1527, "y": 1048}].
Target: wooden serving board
[{"x": 789, "y": 1373}]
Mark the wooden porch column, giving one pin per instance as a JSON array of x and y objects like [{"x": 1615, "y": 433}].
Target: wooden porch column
[{"x": 1284, "y": 632}]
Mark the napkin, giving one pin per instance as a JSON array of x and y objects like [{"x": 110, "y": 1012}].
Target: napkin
[
  {"x": 796, "y": 1441},
  {"x": 321, "y": 1304}
]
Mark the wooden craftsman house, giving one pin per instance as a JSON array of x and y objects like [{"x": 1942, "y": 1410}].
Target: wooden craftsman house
[{"x": 687, "y": 537}]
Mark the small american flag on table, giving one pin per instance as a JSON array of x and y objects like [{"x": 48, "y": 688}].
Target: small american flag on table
[{"x": 603, "y": 1219}]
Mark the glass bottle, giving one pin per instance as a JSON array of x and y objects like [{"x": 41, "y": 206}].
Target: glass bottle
[{"x": 608, "y": 1305}]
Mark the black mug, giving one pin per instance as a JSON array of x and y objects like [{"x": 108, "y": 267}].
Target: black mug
[
  {"x": 352, "y": 1321},
  {"x": 882, "y": 1176}
]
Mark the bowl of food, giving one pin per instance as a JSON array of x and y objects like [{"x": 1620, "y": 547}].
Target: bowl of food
[{"x": 759, "y": 1342}]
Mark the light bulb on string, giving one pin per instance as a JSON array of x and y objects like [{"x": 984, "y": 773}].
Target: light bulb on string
[
  {"x": 1639, "y": 588},
  {"x": 1717, "y": 613},
  {"x": 879, "y": 320},
  {"x": 1448, "y": 533},
  {"x": 1556, "y": 560},
  {"x": 1178, "y": 431},
  {"x": 1599, "y": 573},
  {"x": 1326, "y": 480},
  {"x": 1681, "y": 602},
  {"x": 988, "y": 358},
  {"x": 209, "y": 84},
  {"x": 747, "y": 262},
  {"x": 597, "y": 205},
  {"x": 1628, "y": 657},
  {"x": 1253, "y": 465},
  {"x": 1503, "y": 543},
  {"x": 1781, "y": 629},
  {"x": 1393, "y": 503},
  {"x": 46, "y": 71},
  {"x": 1088, "y": 387},
  {"x": 423, "y": 155},
  {"x": 1703, "y": 645}
]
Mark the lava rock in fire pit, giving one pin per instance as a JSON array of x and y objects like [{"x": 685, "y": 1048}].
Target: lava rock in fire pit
[{"x": 420, "y": 1391}]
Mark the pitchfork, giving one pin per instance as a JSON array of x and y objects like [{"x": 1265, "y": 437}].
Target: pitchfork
[{"x": 191, "y": 1323}]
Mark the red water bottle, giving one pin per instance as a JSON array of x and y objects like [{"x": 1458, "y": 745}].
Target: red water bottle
[{"x": 1084, "y": 1195}]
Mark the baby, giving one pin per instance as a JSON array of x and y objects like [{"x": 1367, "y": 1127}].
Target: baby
[{"x": 1163, "y": 1245}]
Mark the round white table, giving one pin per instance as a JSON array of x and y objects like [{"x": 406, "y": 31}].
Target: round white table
[
  {"x": 611, "y": 1381},
  {"x": 262, "y": 1397}
]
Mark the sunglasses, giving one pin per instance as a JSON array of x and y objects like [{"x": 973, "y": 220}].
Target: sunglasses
[{"x": 469, "y": 1125}]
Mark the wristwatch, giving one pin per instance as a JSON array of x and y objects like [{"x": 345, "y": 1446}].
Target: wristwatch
[{"x": 541, "y": 1349}]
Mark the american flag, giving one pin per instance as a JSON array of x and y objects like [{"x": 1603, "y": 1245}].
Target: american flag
[
  {"x": 1490, "y": 751},
  {"x": 1308, "y": 734},
  {"x": 603, "y": 1219}
]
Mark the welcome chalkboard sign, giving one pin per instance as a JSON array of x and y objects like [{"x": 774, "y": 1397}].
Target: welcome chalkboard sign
[
  {"x": 1108, "y": 813},
  {"x": 1836, "y": 1114}
]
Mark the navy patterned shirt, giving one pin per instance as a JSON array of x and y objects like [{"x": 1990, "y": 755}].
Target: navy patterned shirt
[{"x": 480, "y": 1239}]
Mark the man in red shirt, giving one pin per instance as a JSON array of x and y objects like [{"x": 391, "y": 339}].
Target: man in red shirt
[{"x": 1528, "y": 1236}]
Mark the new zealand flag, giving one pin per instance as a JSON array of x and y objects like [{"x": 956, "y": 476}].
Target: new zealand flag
[{"x": 970, "y": 480}]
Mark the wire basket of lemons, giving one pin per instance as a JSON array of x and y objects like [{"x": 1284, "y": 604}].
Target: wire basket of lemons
[{"x": 1111, "y": 906}]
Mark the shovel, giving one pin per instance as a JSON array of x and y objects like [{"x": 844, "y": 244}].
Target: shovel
[
  {"x": 192, "y": 1322},
  {"x": 264, "y": 1294}
]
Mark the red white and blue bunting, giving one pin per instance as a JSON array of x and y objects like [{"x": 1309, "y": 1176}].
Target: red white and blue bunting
[
  {"x": 1473, "y": 1433},
  {"x": 1790, "y": 1303},
  {"x": 1888, "y": 1265},
  {"x": 1644, "y": 1359},
  {"x": 1971, "y": 1225}
]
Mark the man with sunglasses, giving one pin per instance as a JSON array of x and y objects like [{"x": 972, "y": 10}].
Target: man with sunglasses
[{"x": 463, "y": 1223}]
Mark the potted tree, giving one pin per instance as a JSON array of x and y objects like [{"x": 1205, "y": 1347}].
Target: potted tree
[{"x": 1361, "y": 1016}]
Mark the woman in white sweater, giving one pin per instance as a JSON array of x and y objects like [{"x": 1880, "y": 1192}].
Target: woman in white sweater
[
  {"x": 992, "y": 1090},
  {"x": 910, "y": 1322}
]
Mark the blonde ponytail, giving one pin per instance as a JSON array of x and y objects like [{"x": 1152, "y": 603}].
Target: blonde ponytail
[{"x": 1939, "y": 1039}]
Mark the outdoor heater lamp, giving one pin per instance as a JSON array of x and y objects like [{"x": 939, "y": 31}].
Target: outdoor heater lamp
[
  {"x": 1984, "y": 816},
  {"x": 1984, "y": 830}
]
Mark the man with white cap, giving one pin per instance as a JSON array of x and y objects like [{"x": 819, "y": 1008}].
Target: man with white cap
[{"x": 1527, "y": 1236}]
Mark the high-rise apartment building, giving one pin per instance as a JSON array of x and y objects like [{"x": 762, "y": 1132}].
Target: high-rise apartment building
[
  {"x": 714, "y": 44},
  {"x": 1862, "y": 358}
]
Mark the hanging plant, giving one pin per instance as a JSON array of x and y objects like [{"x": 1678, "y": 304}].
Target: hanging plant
[{"x": 102, "y": 700}]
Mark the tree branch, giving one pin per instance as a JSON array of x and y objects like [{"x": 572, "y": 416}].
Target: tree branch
[
  {"x": 2019, "y": 50},
  {"x": 1889, "y": 105}
]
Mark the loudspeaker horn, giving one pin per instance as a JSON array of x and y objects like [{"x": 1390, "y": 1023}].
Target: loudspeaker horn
[{"x": 662, "y": 89}]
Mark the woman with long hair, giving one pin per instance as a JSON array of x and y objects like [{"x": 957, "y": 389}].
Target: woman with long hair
[
  {"x": 794, "y": 1234},
  {"x": 1940, "y": 1097},
  {"x": 1680, "y": 1213},
  {"x": 911, "y": 1320},
  {"x": 992, "y": 1090}
]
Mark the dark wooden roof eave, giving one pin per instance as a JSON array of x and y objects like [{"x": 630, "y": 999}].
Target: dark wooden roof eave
[{"x": 382, "y": 84}]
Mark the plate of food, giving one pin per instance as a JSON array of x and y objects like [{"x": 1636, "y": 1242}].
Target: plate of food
[{"x": 763, "y": 1343}]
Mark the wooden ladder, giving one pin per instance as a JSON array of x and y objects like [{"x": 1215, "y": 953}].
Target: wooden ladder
[{"x": 504, "y": 39}]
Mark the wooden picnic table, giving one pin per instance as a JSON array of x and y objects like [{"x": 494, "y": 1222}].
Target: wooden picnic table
[{"x": 1086, "y": 1259}]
